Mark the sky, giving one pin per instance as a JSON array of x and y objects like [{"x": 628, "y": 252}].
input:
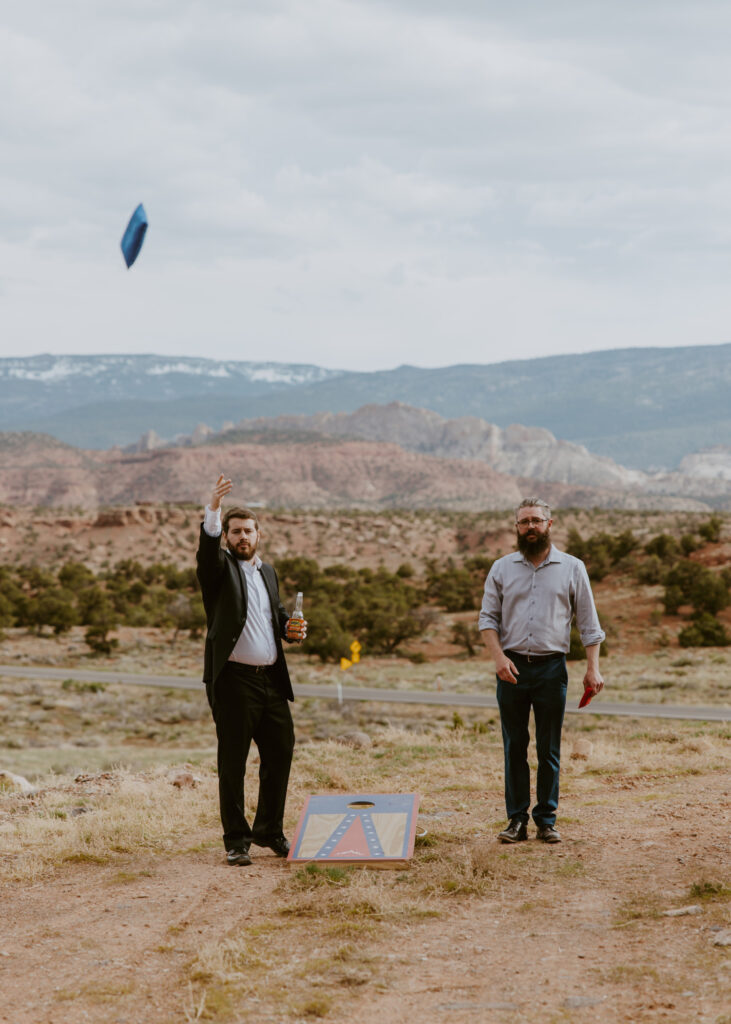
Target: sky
[{"x": 365, "y": 184}]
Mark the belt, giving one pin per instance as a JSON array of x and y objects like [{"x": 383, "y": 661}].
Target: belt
[
  {"x": 534, "y": 658},
  {"x": 259, "y": 669}
]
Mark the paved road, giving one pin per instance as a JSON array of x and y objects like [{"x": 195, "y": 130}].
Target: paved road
[{"x": 342, "y": 693}]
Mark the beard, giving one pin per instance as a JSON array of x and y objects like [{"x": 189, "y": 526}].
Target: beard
[
  {"x": 243, "y": 550},
  {"x": 533, "y": 542}
]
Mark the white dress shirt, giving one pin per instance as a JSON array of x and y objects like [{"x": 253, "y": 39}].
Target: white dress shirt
[{"x": 256, "y": 644}]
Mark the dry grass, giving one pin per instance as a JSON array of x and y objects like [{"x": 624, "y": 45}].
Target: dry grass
[
  {"x": 319, "y": 934},
  {"x": 459, "y": 770},
  {"x": 97, "y": 820}
]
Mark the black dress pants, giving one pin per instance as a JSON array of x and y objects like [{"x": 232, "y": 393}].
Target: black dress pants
[{"x": 246, "y": 706}]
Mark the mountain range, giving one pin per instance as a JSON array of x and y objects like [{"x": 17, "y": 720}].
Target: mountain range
[
  {"x": 517, "y": 451},
  {"x": 296, "y": 469},
  {"x": 646, "y": 409}
]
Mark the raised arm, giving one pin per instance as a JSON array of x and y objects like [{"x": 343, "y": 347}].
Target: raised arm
[
  {"x": 221, "y": 488},
  {"x": 208, "y": 557}
]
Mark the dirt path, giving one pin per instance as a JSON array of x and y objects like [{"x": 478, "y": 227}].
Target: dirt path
[{"x": 586, "y": 943}]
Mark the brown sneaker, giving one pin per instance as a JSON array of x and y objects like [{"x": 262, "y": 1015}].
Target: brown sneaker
[
  {"x": 548, "y": 834},
  {"x": 515, "y": 832}
]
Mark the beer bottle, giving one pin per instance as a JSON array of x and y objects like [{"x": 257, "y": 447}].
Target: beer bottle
[{"x": 296, "y": 622}]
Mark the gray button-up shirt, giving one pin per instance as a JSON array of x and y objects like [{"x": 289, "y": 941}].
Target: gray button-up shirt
[{"x": 531, "y": 608}]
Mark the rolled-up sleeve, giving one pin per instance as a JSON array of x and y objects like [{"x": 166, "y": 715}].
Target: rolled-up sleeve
[
  {"x": 491, "y": 612},
  {"x": 212, "y": 521},
  {"x": 587, "y": 619}
]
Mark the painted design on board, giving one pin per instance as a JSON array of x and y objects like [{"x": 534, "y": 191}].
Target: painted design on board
[{"x": 352, "y": 828}]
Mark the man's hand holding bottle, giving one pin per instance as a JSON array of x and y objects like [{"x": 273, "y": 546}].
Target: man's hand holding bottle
[{"x": 296, "y": 630}]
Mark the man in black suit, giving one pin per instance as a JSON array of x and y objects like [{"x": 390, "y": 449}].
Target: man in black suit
[{"x": 246, "y": 676}]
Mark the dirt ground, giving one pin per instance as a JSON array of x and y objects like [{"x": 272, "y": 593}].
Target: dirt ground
[
  {"x": 154, "y": 927},
  {"x": 471, "y": 931}
]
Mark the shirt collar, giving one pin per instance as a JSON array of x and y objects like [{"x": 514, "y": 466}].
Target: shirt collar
[
  {"x": 253, "y": 563},
  {"x": 554, "y": 555}
]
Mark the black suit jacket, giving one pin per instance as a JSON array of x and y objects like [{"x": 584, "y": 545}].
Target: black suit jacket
[{"x": 225, "y": 598}]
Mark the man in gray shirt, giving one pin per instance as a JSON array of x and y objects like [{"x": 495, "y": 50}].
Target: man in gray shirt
[{"x": 530, "y": 599}]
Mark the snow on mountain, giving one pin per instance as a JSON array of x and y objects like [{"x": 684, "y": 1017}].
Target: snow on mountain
[{"x": 49, "y": 369}]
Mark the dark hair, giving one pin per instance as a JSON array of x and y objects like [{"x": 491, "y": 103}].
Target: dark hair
[{"x": 238, "y": 513}]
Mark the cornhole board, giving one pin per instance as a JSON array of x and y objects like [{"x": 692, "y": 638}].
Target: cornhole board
[{"x": 356, "y": 828}]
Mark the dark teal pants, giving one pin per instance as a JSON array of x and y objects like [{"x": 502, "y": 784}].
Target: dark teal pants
[{"x": 541, "y": 686}]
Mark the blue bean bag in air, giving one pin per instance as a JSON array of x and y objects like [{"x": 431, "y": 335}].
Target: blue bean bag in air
[{"x": 134, "y": 236}]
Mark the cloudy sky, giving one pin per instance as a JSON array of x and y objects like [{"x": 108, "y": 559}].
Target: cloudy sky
[{"x": 361, "y": 184}]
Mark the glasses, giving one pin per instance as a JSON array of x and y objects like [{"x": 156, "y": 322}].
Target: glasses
[{"x": 530, "y": 522}]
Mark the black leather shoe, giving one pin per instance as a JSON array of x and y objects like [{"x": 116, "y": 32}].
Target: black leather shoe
[
  {"x": 516, "y": 832},
  {"x": 548, "y": 834},
  {"x": 280, "y": 845},
  {"x": 238, "y": 856}
]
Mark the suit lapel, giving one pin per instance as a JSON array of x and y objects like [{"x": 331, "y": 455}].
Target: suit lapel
[
  {"x": 240, "y": 577},
  {"x": 269, "y": 583}
]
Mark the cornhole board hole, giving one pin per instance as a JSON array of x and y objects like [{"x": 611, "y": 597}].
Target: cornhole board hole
[{"x": 373, "y": 828}]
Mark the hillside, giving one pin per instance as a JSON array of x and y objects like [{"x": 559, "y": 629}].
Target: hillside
[
  {"x": 295, "y": 471},
  {"x": 645, "y": 408},
  {"x": 526, "y": 452}
]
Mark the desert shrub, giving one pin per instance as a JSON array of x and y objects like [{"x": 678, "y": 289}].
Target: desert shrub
[
  {"x": 187, "y": 613},
  {"x": 385, "y": 612},
  {"x": 379, "y": 608},
  {"x": 466, "y": 635},
  {"x": 650, "y": 571},
  {"x": 689, "y": 543},
  {"x": 90, "y": 601},
  {"x": 598, "y": 561},
  {"x": 101, "y": 619},
  {"x": 129, "y": 569},
  {"x": 7, "y": 616},
  {"x": 35, "y": 578},
  {"x": 13, "y": 598},
  {"x": 672, "y": 599},
  {"x": 601, "y": 551},
  {"x": 75, "y": 576},
  {"x": 687, "y": 582},
  {"x": 704, "y": 631},
  {"x": 54, "y": 607},
  {"x": 480, "y": 565},
  {"x": 711, "y": 531},
  {"x": 710, "y": 593},
  {"x": 327, "y": 636},
  {"x": 453, "y": 590},
  {"x": 146, "y": 599},
  {"x": 97, "y": 638},
  {"x": 664, "y": 546},
  {"x": 129, "y": 593},
  {"x": 577, "y": 651},
  {"x": 459, "y": 590},
  {"x": 623, "y": 544},
  {"x": 300, "y": 573}
]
